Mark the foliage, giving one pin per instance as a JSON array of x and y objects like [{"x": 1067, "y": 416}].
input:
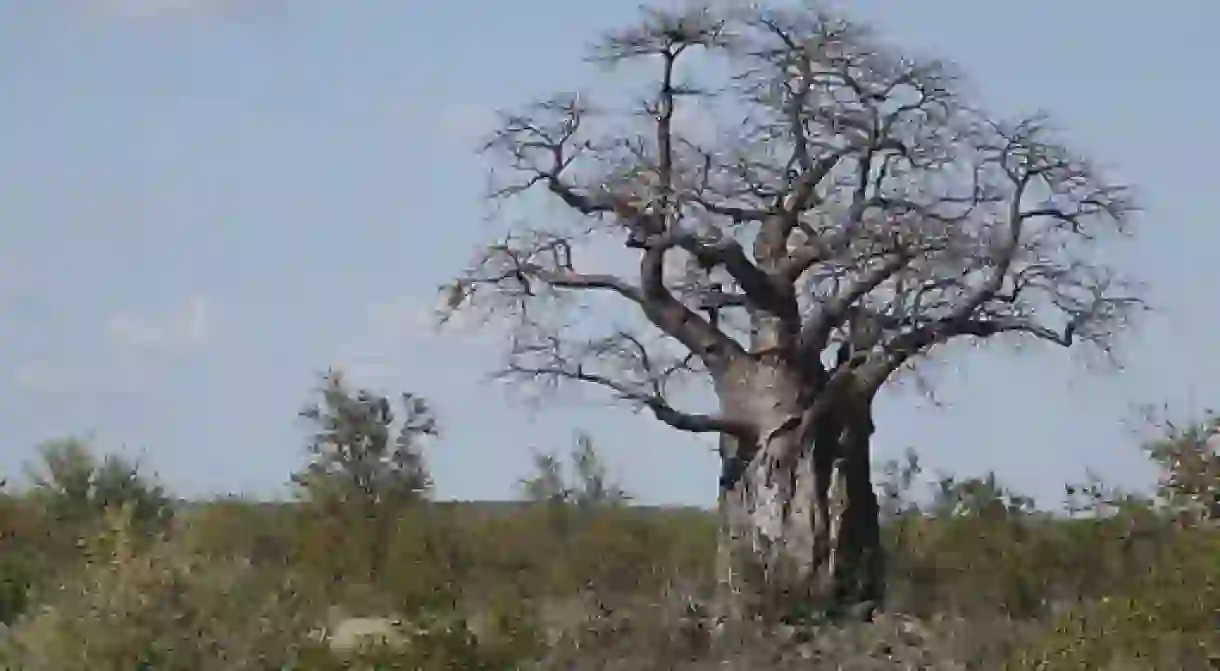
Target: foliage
[
  {"x": 19, "y": 556},
  {"x": 433, "y": 555},
  {"x": 979, "y": 578},
  {"x": 586, "y": 486},
  {"x": 76, "y": 488},
  {"x": 160, "y": 608},
  {"x": 1165, "y": 616},
  {"x": 234, "y": 527},
  {"x": 43, "y": 527},
  {"x": 364, "y": 471},
  {"x": 845, "y": 199},
  {"x": 1190, "y": 466},
  {"x": 356, "y": 453}
]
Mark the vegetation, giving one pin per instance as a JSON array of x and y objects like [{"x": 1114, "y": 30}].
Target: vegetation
[
  {"x": 808, "y": 212},
  {"x": 572, "y": 576},
  {"x": 362, "y": 477},
  {"x": 861, "y": 214}
]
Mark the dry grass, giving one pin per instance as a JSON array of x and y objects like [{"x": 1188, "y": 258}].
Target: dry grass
[{"x": 977, "y": 581}]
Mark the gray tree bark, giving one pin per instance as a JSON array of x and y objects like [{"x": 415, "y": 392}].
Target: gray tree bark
[
  {"x": 868, "y": 198},
  {"x": 799, "y": 529}
]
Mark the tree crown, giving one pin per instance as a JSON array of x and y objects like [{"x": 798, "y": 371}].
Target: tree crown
[{"x": 791, "y": 184}]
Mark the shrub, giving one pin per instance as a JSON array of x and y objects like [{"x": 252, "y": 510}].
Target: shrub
[{"x": 157, "y": 607}]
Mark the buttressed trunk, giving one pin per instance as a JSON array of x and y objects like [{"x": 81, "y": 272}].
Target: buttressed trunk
[{"x": 799, "y": 525}]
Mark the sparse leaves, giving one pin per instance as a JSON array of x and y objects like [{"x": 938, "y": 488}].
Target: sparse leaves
[
  {"x": 76, "y": 488},
  {"x": 366, "y": 466},
  {"x": 356, "y": 449},
  {"x": 588, "y": 486},
  {"x": 1188, "y": 456}
]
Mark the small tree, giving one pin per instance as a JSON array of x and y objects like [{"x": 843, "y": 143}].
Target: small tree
[
  {"x": 1188, "y": 456},
  {"x": 583, "y": 490},
  {"x": 981, "y": 497},
  {"x": 363, "y": 472},
  {"x": 573, "y": 500},
  {"x": 76, "y": 488},
  {"x": 810, "y": 211},
  {"x": 588, "y": 486},
  {"x": 548, "y": 484}
]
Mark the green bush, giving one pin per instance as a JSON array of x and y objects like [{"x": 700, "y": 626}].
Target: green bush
[
  {"x": 157, "y": 607},
  {"x": 1164, "y": 618}
]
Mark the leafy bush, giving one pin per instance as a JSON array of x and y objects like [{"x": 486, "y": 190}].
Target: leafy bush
[
  {"x": 159, "y": 608},
  {"x": 75, "y": 487},
  {"x": 19, "y": 556}
]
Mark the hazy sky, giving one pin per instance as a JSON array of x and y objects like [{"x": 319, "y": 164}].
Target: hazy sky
[{"x": 204, "y": 202}]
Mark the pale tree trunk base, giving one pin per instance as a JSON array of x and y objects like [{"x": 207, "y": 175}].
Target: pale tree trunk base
[
  {"x": 859, "y": 560},
  {"x": 801, "y": 540}
]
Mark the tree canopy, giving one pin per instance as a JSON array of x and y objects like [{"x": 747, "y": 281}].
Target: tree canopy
[{"x": 792, "y": 182}]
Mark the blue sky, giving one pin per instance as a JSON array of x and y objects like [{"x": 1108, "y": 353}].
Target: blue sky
[{"x": 204, "y": 202}]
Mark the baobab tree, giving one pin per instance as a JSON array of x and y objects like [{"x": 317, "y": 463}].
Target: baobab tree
[{"x": 812, "y": 212}]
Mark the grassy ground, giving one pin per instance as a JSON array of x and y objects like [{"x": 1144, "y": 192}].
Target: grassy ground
[
  {"x": 237, "y": 586},
  {"x": 978, "y": 578}
]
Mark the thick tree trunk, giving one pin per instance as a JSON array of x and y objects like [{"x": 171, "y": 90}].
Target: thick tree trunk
[
  {"x": 799, "y": 519},
  {"x": 774, "y": 533},
  {"x": 856, "y": 561}
]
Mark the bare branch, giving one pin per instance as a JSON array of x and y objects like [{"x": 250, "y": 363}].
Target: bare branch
[
  {"x": 639, "y": 378},
  {"x": 845, "y": 183},
  {"x": 836, "y": 310},
  {"x": 662, "y": 32},
  {"x": 1085, "y": 322},
  {"x": 543, "y": 151},
  {"x": 526, "y": 267}
]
